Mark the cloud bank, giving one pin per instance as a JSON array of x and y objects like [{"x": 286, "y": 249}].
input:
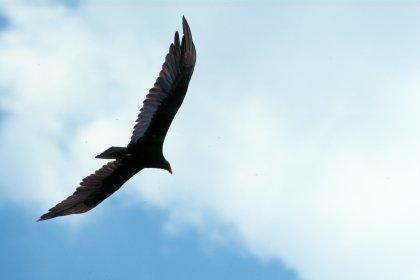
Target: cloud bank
[{"x": 306, "y": 155}]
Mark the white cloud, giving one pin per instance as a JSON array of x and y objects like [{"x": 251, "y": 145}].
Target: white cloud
[
  {"x": 341, "y": 209},
  {"x": 322, "y": 174}
]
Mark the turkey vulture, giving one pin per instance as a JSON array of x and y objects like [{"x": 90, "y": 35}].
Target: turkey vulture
[{"x": 145, "y": 147}]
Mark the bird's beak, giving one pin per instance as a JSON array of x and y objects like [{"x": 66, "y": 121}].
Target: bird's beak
[{"x": 170, "y": 169}]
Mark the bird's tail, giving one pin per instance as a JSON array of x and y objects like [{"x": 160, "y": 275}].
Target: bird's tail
[{"x": 113, "y": 153}]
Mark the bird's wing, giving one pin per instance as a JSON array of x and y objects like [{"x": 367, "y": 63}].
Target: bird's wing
[
  {"x": 164, "y": 99},
  {"x": 94, "y": 189}
]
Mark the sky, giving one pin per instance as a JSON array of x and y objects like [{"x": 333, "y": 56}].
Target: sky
[{"x": 295, "y": 153}]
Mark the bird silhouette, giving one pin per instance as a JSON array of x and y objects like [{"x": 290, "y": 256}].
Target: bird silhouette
[{"x": 145, "y": 147}]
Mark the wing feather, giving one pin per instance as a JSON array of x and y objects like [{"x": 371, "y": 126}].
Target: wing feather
[
  {"x": 179, "y": 61},
  {"x": 94, "y": 189}
]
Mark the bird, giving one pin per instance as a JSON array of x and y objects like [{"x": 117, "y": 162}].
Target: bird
[{"x": 145, "y": 147}]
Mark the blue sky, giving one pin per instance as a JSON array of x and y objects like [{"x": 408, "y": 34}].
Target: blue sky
[
  {"x": 295, "y": 153},
  {"x": 111, "y": 250}
]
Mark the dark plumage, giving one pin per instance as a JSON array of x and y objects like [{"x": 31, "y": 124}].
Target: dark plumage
[{"x": 145, "y": 147}]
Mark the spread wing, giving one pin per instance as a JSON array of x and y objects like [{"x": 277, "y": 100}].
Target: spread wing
[
  {"x": 94, "y": 189},
  {"x": 159, "y": 108},
  {"x": 164, "y": 99}
]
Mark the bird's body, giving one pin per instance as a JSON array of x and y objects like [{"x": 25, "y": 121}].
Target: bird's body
[{"x": 145, "y": 147}]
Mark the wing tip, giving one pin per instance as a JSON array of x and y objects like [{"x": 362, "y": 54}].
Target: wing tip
[
  {"x": 44, "y": 217},
  {"x": 186, "y": 27},
  {"x": 49, "y": 215},
  {"x": 187, "y": 44},
  {"x": 176, "y": 40}
]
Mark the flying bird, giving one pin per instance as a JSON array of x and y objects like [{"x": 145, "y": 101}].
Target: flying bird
[{"x": 145, "y": 147}]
